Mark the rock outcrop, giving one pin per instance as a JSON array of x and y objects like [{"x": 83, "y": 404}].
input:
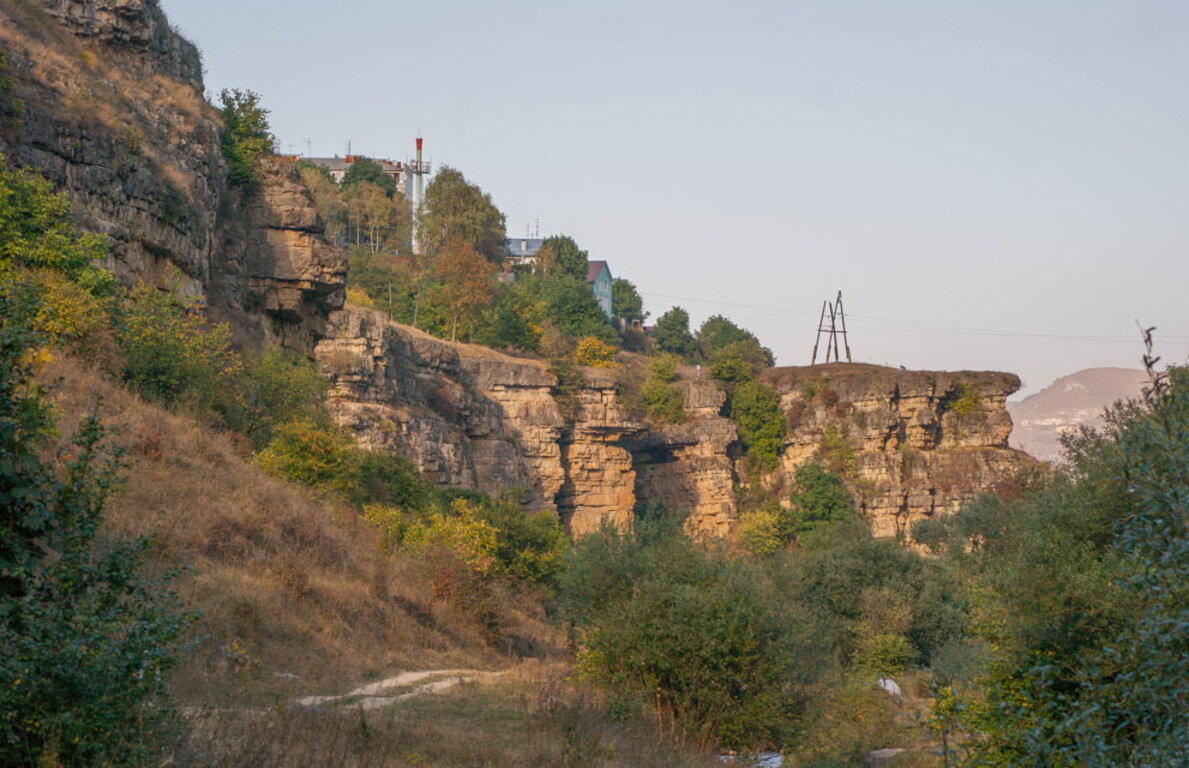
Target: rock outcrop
[
  {"x": 912, "y": 444},
  {"x": 107, "y": 102},
  {"x": 471, "y": 417}
]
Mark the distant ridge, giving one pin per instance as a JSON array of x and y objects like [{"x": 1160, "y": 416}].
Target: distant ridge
[{"x": 1068, "y": 402}]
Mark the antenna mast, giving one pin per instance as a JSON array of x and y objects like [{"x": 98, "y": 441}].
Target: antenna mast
[{"x": 419, "y": 169}]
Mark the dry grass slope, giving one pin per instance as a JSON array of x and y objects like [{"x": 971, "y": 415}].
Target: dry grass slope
[{"x": 296, "y": 595}]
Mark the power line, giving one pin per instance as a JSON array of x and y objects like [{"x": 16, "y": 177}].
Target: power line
[{"x": 899, "y": 325}]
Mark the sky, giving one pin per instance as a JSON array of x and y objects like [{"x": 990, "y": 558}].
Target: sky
[{"x": 992, "y": 186}]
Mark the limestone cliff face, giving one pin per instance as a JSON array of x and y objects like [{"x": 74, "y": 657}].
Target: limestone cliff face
[
  {"x": 109, "y": 106},
  {"x": 912, "y": 444},
  {"x": 471, "y": 417}
]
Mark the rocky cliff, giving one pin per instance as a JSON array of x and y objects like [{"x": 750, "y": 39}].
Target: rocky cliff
[
  {"x": 106, "y": 100},
  {"x": 911, "y": 444},
  {"x": 471, "y": 417}
]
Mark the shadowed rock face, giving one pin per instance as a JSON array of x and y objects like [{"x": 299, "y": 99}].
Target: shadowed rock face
[{"x": 112, "y": 112}]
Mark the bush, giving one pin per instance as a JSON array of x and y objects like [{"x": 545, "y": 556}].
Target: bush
[
  {"x": 314, "y": 455},
  {"x": 86, "y": 638},
  {"x": 594, "y": 352},
  {"x": 246, "y": 135},
  {"x": 460, "y": 531},
  {"x": 755, "y": 409},
  {"x": 172, "y": 354},
  {"x": 731, "y": 370},
  {"x": 662, "y": 402},
  {"x": 693, "y": 634},
  {"x": 529, "y": 545},
  {"x": 275, "y": 386},
  {"x": 819, "y": 498}
]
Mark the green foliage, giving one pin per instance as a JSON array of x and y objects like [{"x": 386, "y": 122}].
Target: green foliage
[
  {"x": 718, "y": 335},
  {"x": 275, "y": 386},
  {"x": 731, "y": 370},
  {"x": 1082, "y": 586},
  {"x": 86, "y": 638},
  {"x": 311, "y": 454},
  {"x": 838, "y": 453},
  {"x": 755, "y": 409},
  {"x": 528, "y": 545},
  {"x": 456, "y": 208},
  {"x": 364, "y": 169},
  {"x": 246, "y": 135},
  {"x": 171, "y": 351},
  {"x": 672, "y": 333},
  {"x": 459, "y": 531},
  {"x": 663, "y": 403},
  {"x": 561, "y": 255},
  {"x": 694, "y": 634},
  {"x": 37, "y": 233},
  {"x": 626, "y": 302},
  {"x": 962, "y": 399},
  {"x": 819, "y": 498},
  {"x": 570, "y": 305}
]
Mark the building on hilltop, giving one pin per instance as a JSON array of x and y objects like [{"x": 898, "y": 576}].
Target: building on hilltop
[
  {"x": 337, "y": 168},
  {"x": 522, "y": 251},
  {"x": 598, "y": 277}
]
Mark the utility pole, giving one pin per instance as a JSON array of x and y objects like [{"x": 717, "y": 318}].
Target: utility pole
[{"x": 836, "y": 328}]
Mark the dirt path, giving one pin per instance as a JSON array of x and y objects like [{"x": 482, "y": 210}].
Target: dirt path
[{"x": 403, "y": 687}]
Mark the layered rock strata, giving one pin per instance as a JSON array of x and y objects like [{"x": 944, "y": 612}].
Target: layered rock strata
[
  {"x": 911, "y": 444},
  {"x": 106, "y": 100}
]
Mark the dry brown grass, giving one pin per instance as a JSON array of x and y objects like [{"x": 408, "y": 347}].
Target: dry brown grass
[
  {"x": 296, "y": 595},
  {"x": 529, "y": 719},
  {"x": 103, "y": 89}
]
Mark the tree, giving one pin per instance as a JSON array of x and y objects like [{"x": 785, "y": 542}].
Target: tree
[
  {"x": 561, "y": 254},
  {"x": 626, "y": 302},
  {"x": 327, "y": 199},
  {"x": 569, "y": 303},
  {"x": 468, "y": 281},
  {"x": 755, "y": 409},
  {"x": 366, "y": 170},
  {"x": 1083, "y": 583},
  {"x": 455, "y": 208},
  {"x": 819, "y": 498},
  {"x": 246, "y": 135},
  {"x": 673, "y": 335},
  {"x": 377, "y": 219},
  {"x": 86, "y": 637},
  {"x": 719, "y": 335}
]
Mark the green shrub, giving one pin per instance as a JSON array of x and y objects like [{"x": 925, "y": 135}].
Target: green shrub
[
  {"x": 314, "y": 455},
  {"x": 755, "y": 409},
  {"x": 87, "y": 639},
  {"x": 694, "y": 634},
  {"x": 458, "y": 530},
  {"x": 663, "y": 402},
  {"x": 819, "y": 498},
  {"x": 731, "y": 370},
  {"x": 172, "y": 354},
  {"x": 246, "y": 135},
  {"x": 528, "y": 545},
  {"x": 276, "y": 386}
]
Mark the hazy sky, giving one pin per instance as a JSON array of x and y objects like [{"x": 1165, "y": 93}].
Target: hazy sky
[{"x": 992, "y": 185}]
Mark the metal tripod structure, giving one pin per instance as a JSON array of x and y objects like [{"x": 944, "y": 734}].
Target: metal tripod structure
[{"x": 837, "y": 328}]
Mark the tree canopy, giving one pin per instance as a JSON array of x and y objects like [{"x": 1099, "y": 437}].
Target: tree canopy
[
  {"x": 454, "y": 207},
  {"x": 246, "y": 135},
  {"x": 626, "y": 301},
  {"x": 365, "y": 169},
  {"x": 673, "y": 334}
]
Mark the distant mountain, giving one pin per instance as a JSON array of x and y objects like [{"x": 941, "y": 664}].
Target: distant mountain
[{"x": 1072, "y": 400}]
